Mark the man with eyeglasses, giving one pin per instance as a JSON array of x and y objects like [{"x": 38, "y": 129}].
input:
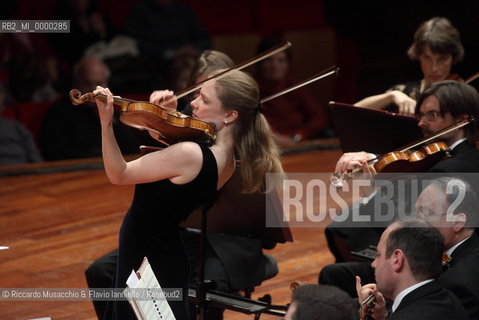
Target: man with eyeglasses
[{"x": 441, "y": 105}]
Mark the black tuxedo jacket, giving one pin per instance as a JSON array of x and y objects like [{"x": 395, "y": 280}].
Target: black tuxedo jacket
[
  {"x": 465, "y": 158},
  {"x": 463, "y": 276},
  {"x": 429, "y": 302}
]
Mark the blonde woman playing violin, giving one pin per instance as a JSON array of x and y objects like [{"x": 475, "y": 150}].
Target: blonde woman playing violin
[{"x": 171, "y": 183}]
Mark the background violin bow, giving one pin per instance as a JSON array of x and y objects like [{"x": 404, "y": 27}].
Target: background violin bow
[{"x": 318, "y": 76}]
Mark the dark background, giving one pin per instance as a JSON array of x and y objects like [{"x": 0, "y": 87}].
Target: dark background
[{"x": 366, "y": 39}]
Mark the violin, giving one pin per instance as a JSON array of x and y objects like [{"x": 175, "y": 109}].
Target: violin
[
  {"x": 407, "y": 159},
  {"x": 412, "y": 160},
  {"x": 456, "y": 77},
  {"x": 166, "y": 125}
]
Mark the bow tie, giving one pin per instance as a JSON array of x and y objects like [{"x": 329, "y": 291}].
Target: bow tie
[{"x": 446, "y": 259}]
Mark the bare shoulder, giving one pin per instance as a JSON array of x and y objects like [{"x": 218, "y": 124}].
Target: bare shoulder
[
  {"x": 186, "y": 152},
  {"x": 185, "y": 160}
]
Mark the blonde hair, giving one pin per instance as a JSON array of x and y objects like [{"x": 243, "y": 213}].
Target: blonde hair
[
  {"x": 209, "y": 62},
  {"x": 254, "y": 144}
]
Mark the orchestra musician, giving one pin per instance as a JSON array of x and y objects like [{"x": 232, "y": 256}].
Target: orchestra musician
[
  {"x": 295, "y": 116},
  {"x": 171, "y": 183},
  {"x": 437, "y": 46},
  {"x": 409, "y": 257},
  {"x": 441, "y": 105},
  {"x": 232, "y": 262},
  {"x": 460, "y": 274}
]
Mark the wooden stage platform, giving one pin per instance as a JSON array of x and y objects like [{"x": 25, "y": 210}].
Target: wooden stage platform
[{"x": 59, "y": 217}]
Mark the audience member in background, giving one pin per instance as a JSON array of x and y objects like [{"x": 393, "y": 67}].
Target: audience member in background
[
  {"x": 70, "y": 131},
  {"x": 16, "y": 142},
  {"x": 294, "y": 116},
  {"x": 28, "y": 65},
  {"x": 437, "y": 46},
  {"x": 165, "y": 29},
  {"x": 31, "y": 77},
  {"x": 86, "y": 27},
  {"x": 317, "y": 302}
]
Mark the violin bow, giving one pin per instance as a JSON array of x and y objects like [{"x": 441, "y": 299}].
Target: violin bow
[
  {"x": 455, "y": 126},
  {"x": 281, "y": 47},
  {"x": 318, "y": 76},
  {"x": 472, "y": 78}
]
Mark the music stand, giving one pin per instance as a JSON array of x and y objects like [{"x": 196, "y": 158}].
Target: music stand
[
  {"x": 239, "y": 214},
  {"x": 372, "y": 130}
]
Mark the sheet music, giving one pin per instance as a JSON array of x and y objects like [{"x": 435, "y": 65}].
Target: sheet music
[
  {"x": 132, "y": 282},
  {"x": 148, "y": 309}
]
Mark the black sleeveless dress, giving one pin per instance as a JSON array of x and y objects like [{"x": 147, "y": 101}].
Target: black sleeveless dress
[{"x": 150, "y": 228}]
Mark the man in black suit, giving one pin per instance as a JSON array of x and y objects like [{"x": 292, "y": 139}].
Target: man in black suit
[
  {"x": 409, "y": 258},
  {"x": 461, "y": 275},
  {"x": 461, "y": 242},
  {"x": 441, "y": 105}
]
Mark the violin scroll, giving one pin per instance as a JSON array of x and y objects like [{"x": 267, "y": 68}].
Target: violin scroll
[{"x": 77, "y": 98}]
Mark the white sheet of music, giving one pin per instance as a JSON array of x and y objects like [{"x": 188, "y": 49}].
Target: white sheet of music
[{"x": 148, "y": 309}]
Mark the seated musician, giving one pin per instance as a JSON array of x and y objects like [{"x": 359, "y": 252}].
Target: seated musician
[
  {"x": 409, "y": 258},
  {"x": 460, "y": 274},
  {"x": 437, "y": 46},
  {"x": 295, "y": 116},
  {"x": 441, "y": 105}
]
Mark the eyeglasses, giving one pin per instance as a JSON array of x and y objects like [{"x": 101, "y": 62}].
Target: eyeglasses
[{"x": 429, "y": 116}]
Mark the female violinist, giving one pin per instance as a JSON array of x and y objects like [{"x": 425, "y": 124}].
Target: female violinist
[
  {"x": 170, "y": 183},
  {"x": 437, "y": 46}
]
